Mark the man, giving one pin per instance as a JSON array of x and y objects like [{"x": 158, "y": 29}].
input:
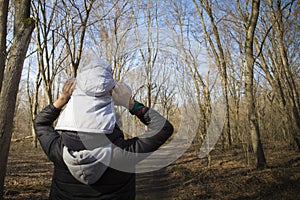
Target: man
[{"x": 92, "y": 160}]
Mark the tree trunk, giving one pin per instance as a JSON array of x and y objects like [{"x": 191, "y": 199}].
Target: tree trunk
[
  {"x": 33, "y": 98},
  {"x": 23, "y": 27},
  {"x": 249, "y": 86},
  {"x": 3, "y": 33}
]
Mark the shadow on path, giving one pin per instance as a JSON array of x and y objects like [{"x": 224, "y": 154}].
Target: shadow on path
[{"x": 155, "y": 185}]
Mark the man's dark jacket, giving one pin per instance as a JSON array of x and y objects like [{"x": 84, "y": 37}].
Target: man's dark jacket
[{"x": 113, "y": 184}]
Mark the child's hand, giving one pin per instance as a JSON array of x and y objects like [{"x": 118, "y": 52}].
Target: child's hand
[
  {"x": 122, "y": 94},
  {"x": 68, "y": 88},
  {"x": 67, "y": 91}
]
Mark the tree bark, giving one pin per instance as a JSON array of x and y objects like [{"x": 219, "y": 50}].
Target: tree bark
[
  {"x": 3, "y": 33},
  {"x": 23, "y": 27},
  {"x": 249, "y": 86}
]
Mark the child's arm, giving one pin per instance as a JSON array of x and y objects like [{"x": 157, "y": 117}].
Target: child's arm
[{"x": 44, "y": 130}]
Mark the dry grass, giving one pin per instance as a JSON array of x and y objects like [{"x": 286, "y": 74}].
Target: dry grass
[
  {"x": 229, "y": 178},
  {"x": 29, "y": 176},
  {"x": 28, "y": 172}
]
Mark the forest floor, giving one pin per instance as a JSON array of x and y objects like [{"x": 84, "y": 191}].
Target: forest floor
[{"x": 228, "y": 177}]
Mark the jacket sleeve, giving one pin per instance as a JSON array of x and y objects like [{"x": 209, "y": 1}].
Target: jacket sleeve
[
  {"x": 159, "y": 130},
  {"x": 48, "y": 137},
  {"x": 127, "y": 153}
]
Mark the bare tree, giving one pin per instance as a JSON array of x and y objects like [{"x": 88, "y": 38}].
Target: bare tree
[
  {"x": 23, "y": 27},
  {"x": 59, "y": 25},
  {"x": 148, "y": 48},
  {"x": 283, "y": 63},
  {"x": 115, "y": 40},
  {"x": 249, "y": 86},
  {"x": 215, "y": 44},
  {"x": 33, "y": 99},
  {"x": 49, "y": 50},
  {"x": 277, "y": 29},
  {"x": 190, "y": 56},
  {"x": 74, "y": 29},
  {"x": 244, "y": 19}
]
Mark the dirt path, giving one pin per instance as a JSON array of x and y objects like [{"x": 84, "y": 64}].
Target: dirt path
[
  {"x": 155, "y": 185},
  {"x": 159, "y": 184}
]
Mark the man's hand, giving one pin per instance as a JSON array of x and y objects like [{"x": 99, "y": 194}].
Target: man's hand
[{"x": 67, "y": 91}]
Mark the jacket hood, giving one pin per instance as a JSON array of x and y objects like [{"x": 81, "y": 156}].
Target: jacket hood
[
  {"x": 95, "y": 76},
  {"x": 87, "y": 166},
  {"x": 90, "y": 108}
]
